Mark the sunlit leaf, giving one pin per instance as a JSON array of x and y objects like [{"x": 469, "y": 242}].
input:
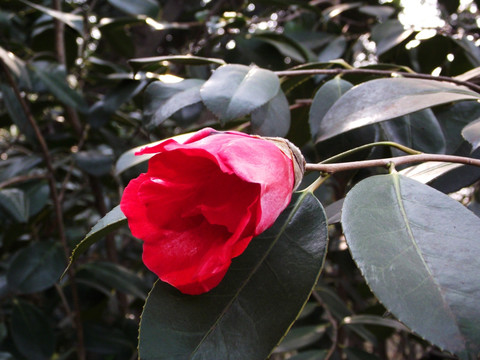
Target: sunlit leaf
[
  {"x": 137, "y": 7},
  {"x": 254, "y": 305},
  {"x": 471, "y": 133},
  {"x": 406, "y": 239},
  {"x": 389, "y": 34},
  {"x": 234, "y": 91},
  {"x": 273, "y": 118},
  {"x": 383, "y": 99}
]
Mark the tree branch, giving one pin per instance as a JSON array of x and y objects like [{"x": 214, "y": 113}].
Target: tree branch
[
  {"x": 468, "y": 84},
  {"x": 395, "y": 161},
  {"x": 56, "y": 203}
]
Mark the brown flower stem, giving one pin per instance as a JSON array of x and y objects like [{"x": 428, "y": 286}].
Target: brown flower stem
[
  {"x": 395, "y": 161},
  {"x": 388, "y": 73},
  {"x": 56, "y": 203},
  {"x": 21, "y": 178}
]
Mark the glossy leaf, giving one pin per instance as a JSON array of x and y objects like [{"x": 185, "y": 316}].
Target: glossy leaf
[
  {"x": 406, "y": 239},
  {"x": 94, "y": 162},
  {"x": 389, "y": 34},
  {"x": 420, "y": 131},
  {"x": 137, "y": 7},
  {"x": 374, "y": 320},
  {"x": 471, "y": 133},
  {"x": 106, "y": 340},
  {"x": 426, "y": 172},
  {"x": 31, "y": 331},
  {"x": 16, "y": 113},
  {"x": 15, "y": 203},
  {"x": 254, "y": 305},
  {"x": 286, "y": 46},
  {"x": 383, "y": 99},
  {"x": 162, "y": 100},
  {"x": 324, "y": 99},
  {"x": 273, "y": 118},
  {"x": 110, "y": 222},
  {"x": 234, "y": 91},
  {"x": 35, "y": 268}
]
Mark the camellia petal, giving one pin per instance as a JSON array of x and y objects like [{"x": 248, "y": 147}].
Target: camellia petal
[{"x": 202, "y": 201}]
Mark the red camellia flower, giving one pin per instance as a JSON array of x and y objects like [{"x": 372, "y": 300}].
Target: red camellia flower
[{"x": 202, "y": 201}]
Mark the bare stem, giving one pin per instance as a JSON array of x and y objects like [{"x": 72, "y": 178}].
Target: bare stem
[
  {"x": 333, "y": 72},
  {"x": 56, "y": 203},
  {"x": 395, "y": 161}
]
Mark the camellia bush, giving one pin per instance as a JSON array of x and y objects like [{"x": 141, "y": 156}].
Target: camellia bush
[{"x": 238, "y": 180}]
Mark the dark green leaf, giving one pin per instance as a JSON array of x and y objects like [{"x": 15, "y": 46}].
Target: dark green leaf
[
  {"x": 374, "y": 320},
  {"x": 56, "y": 83},
  {"x": 101, "y": 339},
  {"x": 381, "y": 12},
  {"x": 15, "y": 64},
  {"x": 252, "y": 308},
  {"x": 419, "y": 130},
  {"x": 310, "y": 355},
  {"x": 324, "y": 98},
  {"x": 234, "y": 91},
  {"x": 73, "y": 20},
  {"x": 163, "y": 61},
  {"x": 383, "y": 99},
  {"x": 273, "y": 118},
  {"x": 137, "y": 7},
  {"x": 418, "y": 251},
  {"x": 301, "y": 336},
  {"x": 94, "y": 162},
  {"x": 110, "y": 222},
  {"x": 31, "y": 332},
  {"x": 16, "y": 112},
  {"x": 162, "y": 100},
  {"x": 333, "y": 50},
  {"x": 357, "y": 354},
  {"x": 35, "y": 268},
  {"x": 471, "y": 133},
  {"x": 335, "y": 10},
  {"x": 389, "y": 34},
  {"x": 114, "y": 276},
  {"x": 15, "y": 203},
  {"x": 286, "y": 46}
]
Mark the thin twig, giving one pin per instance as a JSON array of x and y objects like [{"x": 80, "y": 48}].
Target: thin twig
[
  {"x": 399, "y": 160},
  {"x": 56, "y": 203},
  {"x": 334, "y": 323},
  {"x": 21, "y": 178},
  {"x": 468, "y": 84}
]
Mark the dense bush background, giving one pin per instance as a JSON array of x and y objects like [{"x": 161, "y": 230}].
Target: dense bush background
[{"x": 72, "y": 101}]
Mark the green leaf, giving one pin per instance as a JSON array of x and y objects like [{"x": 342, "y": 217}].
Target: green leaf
[
  {"x": 374, "y": 320},
  {"x": 15, "y": 203},
  {"x": 162, "y": 100},
  {"x": 114, "y": 276},
  {"x": 164, "y": 61},
  {"x": 15, "y": 64},
  {"x": 335, "y": 10},
  {"x": 323, "y": 100},
  {"x": 383, "y": 99},
  {"x": 31, "y": 331},
  {"x": 389, "y": 34},
  {"x": 286, "y": 46},
  {"x": 382, "y": 12},
  {"x": 426, "y": 172},
  {"x": 419, "y": 130},
  {"x": 110, "y": 222},
  {"x": 234, "y": 91},
  {"x": 55, "y": 81},
  {"x": 310, "y": 355},
  {"x": 94, "y": 162},
  {"x": 301, "y": 336},
  {"x": 273, "y": 118},
  {"x": 16, "y": 112},
  {"x": 72, "y": 20},
  {"x": 418, "y": 250},
  {"x": 254, "y": 305},
  {"x": 35, "y": 268},
  {"x": 471, "y": 133},
  {"x": 137, "y": 7},
  {"x": 101, "y": 339},
  {"x": 333, "y": 50}
]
